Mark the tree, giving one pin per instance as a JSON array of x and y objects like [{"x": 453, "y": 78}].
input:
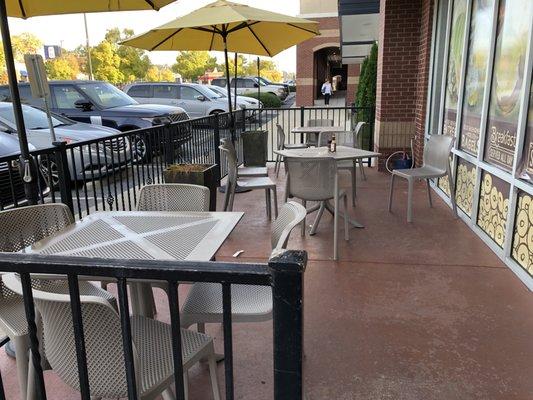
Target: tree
[
  {"x": 366, "y": 90},
  {"x": 25, "y": 43},
  {"x": 159, "y": 74},
  {"x": 134, "y": 63},
  {"x": 106, "y": 63},
  {"x": 269, "y": 70},
  {"x": 152, "y": 75},
  {"x": 192, "y": 64},
  {"x": 241, "y": 64},
  {"x": 64, "y": 67},
  {"x": 167, "y": 75}
]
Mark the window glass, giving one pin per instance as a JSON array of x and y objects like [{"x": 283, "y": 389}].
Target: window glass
[
  {"x": 105, "y": 95},
  {"x": 166, "y": 91},
  {"x": 514, "y": 24},
  {"x": 33, "y": 117},
  {"x": 188, "y": 93},
  {"x": 465, "y": 185},
  {"x": 522, "y": 249},
  {"x": 525, "y": 169},
  {"x": 493, "y": 207},
  {"x": 66, "y": 96},
  {"x": 453, "y": 74},
  {"x": 139, "y": 91},
  {"x": 249, "y": 83},
  {"x": 476, "y": 72}
]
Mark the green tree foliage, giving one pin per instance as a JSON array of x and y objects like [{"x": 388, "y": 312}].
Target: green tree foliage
[
  {"x": 269, "y": 100},
  {"x": 106, "y": 63},
  {"x": 268, "y": 70},
  {"x": 134, "y": 63},
  {"x": 192, "y": 64},
  {"x": 64, "y": 67},
  {"x": 25, "y": 43},
  {"x": 366, "y": 90},
  {"x": 159, "y": 74}
]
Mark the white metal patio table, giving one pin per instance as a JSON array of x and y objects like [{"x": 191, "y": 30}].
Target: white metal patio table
[
  {"x": 149, "y": 235},
  {"x": 315, "y": 130},
  {"x": 343, "y": 153}
]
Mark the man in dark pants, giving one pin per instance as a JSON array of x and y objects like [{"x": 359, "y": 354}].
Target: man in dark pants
[{"x": 326, "y": 91}]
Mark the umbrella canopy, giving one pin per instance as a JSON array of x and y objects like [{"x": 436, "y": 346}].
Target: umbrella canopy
[
  {"x": 34, "y": 8},
  {"x": 246, "y": 30}
]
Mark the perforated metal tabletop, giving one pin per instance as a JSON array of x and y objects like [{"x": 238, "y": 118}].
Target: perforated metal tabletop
[{"x": 195, "y": 236}]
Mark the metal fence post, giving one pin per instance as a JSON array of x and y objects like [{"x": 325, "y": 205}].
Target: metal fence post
[
  {"x": 65, "y": 180},
  {"x": 216, "y": 143},
  {"x": 287, "y": 269},
  {"x": 302, "y": 115}
]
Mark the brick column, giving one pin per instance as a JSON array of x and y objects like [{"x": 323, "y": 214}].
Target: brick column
[
  {"x": 403, "y": 66},
  {"x": 354, "y": 70}
]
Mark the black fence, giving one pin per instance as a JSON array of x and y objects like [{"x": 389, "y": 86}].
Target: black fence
[
  {"x": 284, "y": 273},
  {"x": 106, "y": 174}
]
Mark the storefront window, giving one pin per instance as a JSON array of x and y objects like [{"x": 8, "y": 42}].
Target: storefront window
[
  {"x": 514, "y": 24},
  {"x": 523, "y": 233},
  {"x": 465, "y": 186},
  {"x": 493, "y": 207},
  {"x": 478, "y": 53},
  {"x": 525, "y": 169},
  {"x": 453, "y": 77}
]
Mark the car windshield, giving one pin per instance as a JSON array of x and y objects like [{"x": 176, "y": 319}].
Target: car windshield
[
  {"x": 221, "y": 92},
  {"x": 105, "y": 95},
  {"x": 33, "y": 117},
  {"x": 211, "y": 93}
]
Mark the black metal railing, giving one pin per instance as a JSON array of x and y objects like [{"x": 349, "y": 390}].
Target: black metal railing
[
  {"x": 284, "y": 273},
  {"x": 107, "y": 173}
]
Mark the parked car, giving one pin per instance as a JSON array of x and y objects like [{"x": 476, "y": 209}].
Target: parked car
[
  {"x": 197, "y": 100},
  {"x": 250, "y": 84},
  {"x": 267, "y": 82},
  {"x": 248, "y": 102},
  {"x": 101, "y": 103},
  {"x": 11, "y": 184},
  {"x": 98, "y": 158}
]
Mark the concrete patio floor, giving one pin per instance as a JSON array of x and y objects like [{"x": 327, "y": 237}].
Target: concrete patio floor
[{"x": 410, "y": 311}]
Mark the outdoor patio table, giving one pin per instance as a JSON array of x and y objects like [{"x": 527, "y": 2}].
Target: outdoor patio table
[
  {"x": 342, "y": 153},
  {"x": 149, "y": 235},
  {"x": 315, "y": 130}
]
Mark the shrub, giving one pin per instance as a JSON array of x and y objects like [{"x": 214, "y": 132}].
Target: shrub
[
  {"x": 269, "y": 100},
  {"x": 366, "y": 90}
]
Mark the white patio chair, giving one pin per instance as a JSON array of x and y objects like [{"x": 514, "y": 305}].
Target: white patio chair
[
  {"x": 282, "y": 146},
  {"x": 21, "y": 227},
  {"x": 249, "y": 303},
  {"x": 316, "y": 179},
  {"x": 173, "y": 197},
  {"x": 250, "y": 183},
  {"x": 152, "y": 347},
  {"x": 313, "y": 141},
  {"x": 436, "y": 164},
  {"x": 242, "y": 171}
]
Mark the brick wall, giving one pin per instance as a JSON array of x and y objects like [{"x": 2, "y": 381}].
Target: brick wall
[{"x": 403, "y": 65}]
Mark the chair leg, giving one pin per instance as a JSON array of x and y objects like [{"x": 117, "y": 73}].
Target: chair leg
[
  {"x": 336, "y": 226},
  {"x": 391, "y": 191},
  {"x": 22, "y": 344},
  {"x": 429, "y": 193},
  {"x": 277, "y": 166},
  {"x": 346, "y": 228},
  {"x": 275, "y": 195},
  {"x": 304, "y": 203},
  {"x": 353, "y": 173},
  {"x": 186, "y": 384},
  {"x": 231, "y": 197},
  {"x": 268, "y": 204},
  {"x": 213, "y": 375},
  {"x": 227, "y": 195},
  {"x": 167, "y": 394},
  {"x": 410, "y": 200},
  {"x": 362, "y": 169}
]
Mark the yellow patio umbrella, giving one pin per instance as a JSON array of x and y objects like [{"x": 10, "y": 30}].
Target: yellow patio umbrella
[
  {"x": 227, "y": 26},
  {"x": 33, "y": 8}
]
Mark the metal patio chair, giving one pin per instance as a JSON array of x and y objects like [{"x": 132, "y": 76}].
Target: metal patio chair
[
  {"x": 173, "y": 197},
  {"x": 317, "y": 122},
  {"x": 282, "y": 146},
  {"x": 436, "y": 164},
  {"x": 250, "y": 183},
  {"x": 249, "y": 303},
  {"x": 21, "y": 227},
  {"x": 242, "y": 171},
  {"x": 316, "y": 179},
  {"x": 152, "y": 347}
]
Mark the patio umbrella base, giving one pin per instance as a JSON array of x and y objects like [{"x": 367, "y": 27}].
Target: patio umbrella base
[{"x": 238, "y": 189}]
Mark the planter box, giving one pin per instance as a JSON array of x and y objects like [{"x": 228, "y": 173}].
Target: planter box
[
  {"x": 195, "y": 174},
  {"x": 254, "y": 148}
]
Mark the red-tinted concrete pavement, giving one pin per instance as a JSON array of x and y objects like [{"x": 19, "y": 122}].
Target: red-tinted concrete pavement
[{"x": 417, "y": 311}]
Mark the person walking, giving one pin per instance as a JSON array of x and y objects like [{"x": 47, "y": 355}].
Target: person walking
[{"x": 326, "y": 91}]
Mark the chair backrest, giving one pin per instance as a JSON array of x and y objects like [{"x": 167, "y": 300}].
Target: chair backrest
[
  {"x": 103, "y": 340},
  {"x": 357, "y": 131},
  {"x": 281, "y": 136},
  {"x": 311, "y": 179},
  {"x": 290, "y": 215},
  {"x": 325, "y": 137},
  {"x": 23, "y": 226},
  {"x": 229, "y": 146},
  {"x": 320, "y": 122},
  {"x": 231, "y": 158},
  {"x": 437, "y": 151},
  {"x": 173, "y": 197}
]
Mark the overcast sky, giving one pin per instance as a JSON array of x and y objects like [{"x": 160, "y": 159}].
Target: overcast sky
[{"x": 68, "y": 30}]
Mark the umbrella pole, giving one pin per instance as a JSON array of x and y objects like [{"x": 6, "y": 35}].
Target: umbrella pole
[
  {"x": 28, "y": 169},
  {"x": 235, "y": 91},
  {"x": 232, "y": 125}
]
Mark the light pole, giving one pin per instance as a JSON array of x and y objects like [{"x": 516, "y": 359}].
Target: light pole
[{"x": 88, "y": 48}]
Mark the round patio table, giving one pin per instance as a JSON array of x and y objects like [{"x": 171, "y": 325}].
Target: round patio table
[{"x": 343, "y": 153}]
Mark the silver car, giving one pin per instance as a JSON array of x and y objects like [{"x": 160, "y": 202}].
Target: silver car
[
  {"x": 85, "y": 161},
  {"x": 197, "y": 100},
  {"x": 246, "y": 101}
]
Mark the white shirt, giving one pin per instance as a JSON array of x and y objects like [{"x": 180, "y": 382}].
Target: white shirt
[{"x": 326, "y": 88}]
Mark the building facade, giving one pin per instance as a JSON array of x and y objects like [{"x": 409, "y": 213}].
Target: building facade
[
  {"x": 463, "y": 68},
  {"x": 320, "y": 58}
]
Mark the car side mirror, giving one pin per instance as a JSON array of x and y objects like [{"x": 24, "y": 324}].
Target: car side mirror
[
  {"x": 201, "y": 97},
  {"x": 84, "y": 105},
  {"x": 256, "y": 85}
]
